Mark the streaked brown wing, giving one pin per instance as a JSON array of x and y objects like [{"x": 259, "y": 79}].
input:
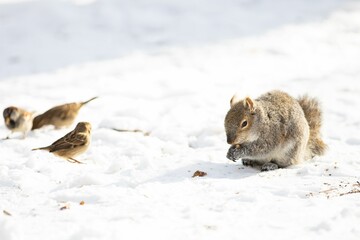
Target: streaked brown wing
[
  {"x": 60, "y": 146},
  {"x": 76, "y": 139},
  {"x": 61, "y": 140},
  {"x": 70, "y": 140}
]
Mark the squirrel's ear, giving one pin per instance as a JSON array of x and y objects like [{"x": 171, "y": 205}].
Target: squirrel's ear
[
  {"x": 248, "y": 102},
  {"x": 235, "y": 99}
]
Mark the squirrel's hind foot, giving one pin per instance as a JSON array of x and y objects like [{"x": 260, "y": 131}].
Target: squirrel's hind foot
[{"x": 269, "y": 167}]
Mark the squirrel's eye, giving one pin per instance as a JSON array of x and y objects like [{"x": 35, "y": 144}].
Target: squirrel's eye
[{"x": 244, "y": 124}]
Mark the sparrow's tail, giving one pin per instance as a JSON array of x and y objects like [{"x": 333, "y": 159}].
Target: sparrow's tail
[
  {"x": 41, "y": 148},
  {"x": 83, "y": 103}
]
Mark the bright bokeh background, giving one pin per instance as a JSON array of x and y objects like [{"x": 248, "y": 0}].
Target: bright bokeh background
[{"x": 170, "y": 67}]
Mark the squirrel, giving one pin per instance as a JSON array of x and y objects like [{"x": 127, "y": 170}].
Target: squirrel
[{"x": 274, "y": 131}]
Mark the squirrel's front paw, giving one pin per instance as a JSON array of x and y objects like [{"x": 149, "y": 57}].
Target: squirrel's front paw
[
  {"x": 248, "y": 162},
  {"x": 233, "y": 153}
]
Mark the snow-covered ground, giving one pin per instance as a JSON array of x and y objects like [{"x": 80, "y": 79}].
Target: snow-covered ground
[{"x": 170, "y": 68}]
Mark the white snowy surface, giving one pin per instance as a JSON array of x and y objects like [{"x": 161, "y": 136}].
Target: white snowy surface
[{"x": 170, "y": 68}]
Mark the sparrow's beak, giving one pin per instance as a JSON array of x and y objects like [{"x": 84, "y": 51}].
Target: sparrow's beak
[{"x": 7, "y": 120}]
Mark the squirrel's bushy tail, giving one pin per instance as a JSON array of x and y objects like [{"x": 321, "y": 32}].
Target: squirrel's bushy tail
[{"x": 313, "y": 115}]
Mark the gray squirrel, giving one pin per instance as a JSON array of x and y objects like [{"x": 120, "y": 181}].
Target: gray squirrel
[{"x": 274, "y": 130}]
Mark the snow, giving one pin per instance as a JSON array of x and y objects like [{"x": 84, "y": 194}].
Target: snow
[{"x": 170, "y": 68}]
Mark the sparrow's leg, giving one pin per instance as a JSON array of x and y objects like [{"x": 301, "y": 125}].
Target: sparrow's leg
[
  {"x": 73, "y": 160},
  {"x": 269, "y": 167}
]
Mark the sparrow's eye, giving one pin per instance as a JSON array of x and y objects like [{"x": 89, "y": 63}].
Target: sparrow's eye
[{"x": 244, "y": 124}]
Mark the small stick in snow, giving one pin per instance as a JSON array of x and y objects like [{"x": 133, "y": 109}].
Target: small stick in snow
[
  {"x": 7, "y": 213},
  {"x": 132, "y": 130},
  {"x": 350, "y": 192},
  {"x": 65, "y": 206}
]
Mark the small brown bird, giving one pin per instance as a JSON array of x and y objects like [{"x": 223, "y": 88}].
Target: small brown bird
[
  {"x": 17, "y": 120},
  {"x": 59, "y": 116},
  {"x": 72, "y": 144}
]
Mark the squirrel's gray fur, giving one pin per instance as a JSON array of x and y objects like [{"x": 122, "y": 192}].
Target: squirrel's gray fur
[{"x": 274, "y": 130}]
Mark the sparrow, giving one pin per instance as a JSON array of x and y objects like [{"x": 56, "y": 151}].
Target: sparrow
[
  {"x": 72, "y": 144},
  {"x": 17, "y": 120},
  {"x": 59, "y": 116}
]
